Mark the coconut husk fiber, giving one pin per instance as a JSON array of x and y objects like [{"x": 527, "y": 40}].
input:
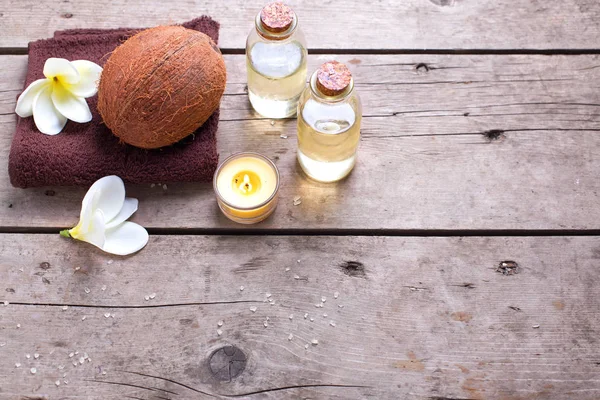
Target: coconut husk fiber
[{"x": 83, "y": 153}]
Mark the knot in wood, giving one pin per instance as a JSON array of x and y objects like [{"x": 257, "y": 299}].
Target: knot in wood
[{"x": 227, "y": 363}]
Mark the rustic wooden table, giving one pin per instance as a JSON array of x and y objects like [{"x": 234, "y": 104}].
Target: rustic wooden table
[{"x": 481, "y": 144}]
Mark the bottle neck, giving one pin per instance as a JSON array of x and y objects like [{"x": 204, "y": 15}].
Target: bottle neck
[
  {"x": 330, "y": 99},
  {"x": 270, "y": 35}
]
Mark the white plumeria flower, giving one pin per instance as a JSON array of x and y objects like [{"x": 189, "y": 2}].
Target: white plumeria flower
[
  {"x": 61, "y": 95},
  {"x": 103, "y": 221}
]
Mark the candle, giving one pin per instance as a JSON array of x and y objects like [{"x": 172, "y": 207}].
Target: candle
[{"x": 246, "y": 185}]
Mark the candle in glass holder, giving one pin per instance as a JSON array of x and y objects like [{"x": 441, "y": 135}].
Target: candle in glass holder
[{"x": 246, "y": 185}]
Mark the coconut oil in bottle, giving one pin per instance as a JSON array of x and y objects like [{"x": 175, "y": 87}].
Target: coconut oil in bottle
[
  {"x": 329, "y": 118},
  {"x": 276, "y": 62}
]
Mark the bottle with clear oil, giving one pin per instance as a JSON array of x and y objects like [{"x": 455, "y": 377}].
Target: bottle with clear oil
[
  {"x": 276, "y": 62},
  {"x": 329, "y": 117}
]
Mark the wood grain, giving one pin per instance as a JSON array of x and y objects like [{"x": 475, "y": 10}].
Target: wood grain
[
  {"x": 469, "y": 142},
  {"x": 387, "y": 24},
  {"x": 415, "y": 318}
]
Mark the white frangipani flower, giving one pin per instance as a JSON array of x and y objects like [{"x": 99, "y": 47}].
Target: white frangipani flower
[
  {"x": 103, "y": 221},
  {"x": 60, "y": 95}
]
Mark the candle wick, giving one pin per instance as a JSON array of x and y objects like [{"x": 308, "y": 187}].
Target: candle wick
[{"x": 247, "y": 186}]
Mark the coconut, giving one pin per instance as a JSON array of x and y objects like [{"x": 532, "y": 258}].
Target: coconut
[{"x": 161, "y": 85}]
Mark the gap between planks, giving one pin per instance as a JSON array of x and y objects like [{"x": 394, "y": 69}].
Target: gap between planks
[
  {"x": 238, "y": 51},
  {"x": 257, "y": 231}
]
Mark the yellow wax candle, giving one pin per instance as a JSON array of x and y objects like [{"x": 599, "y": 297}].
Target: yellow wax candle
[{"x": 246, "y": 185}]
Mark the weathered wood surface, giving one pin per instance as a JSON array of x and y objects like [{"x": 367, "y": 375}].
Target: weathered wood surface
[
  {"x": 425, "y": 160},
  {"x": 387, "y": 24},
  {"x": 422, "y": 318}
]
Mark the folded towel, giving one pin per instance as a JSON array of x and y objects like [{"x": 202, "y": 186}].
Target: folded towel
[{"x": 83, "y": 153}]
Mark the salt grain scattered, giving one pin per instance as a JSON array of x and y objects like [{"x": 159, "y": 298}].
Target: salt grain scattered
[
  {"x": 66, "y": 382},
  {"x": 265, "y": 324},
  {"x": 147, "y": 298},
  {"x": 305, "y": 315},
  {"x": 535, "y": 326},
  {"x": 323, "y": 299},
  {"x": 6, "y": 303},
  {"x": 253, "y": 309},
  {"x": 77, "y": 268},
  {"x": 103, "y": 287},
  {"x": 83, "y": 318},
  {"x": 71, "y": 355},
  {"x": 2, "y": 344},
  {"x": 153, "y": 185},
  {"x": 17, "y": 365},
  {"x": 272, "y": 122},
  {"x": 65, "y": 308},
  {"x": 297, "y": 201},
  {"x": 332, "y": 323},
  {"x": 220, "y": 323},
  {"x": 283, "y": 136},
  {"x": 18, "y": 326},
  {"x": 298, "y": 261},
  {"x": 287, "y": 269},
  {"x": 335, "y": 295},
  {"x": 268, "y": 294},
  {"x": 103, "y": 372},
  {"x": 340, "y": 305},
  {"x": 61, "y": 367},
  {"x": 164, "y": 187},
  {"x": 241, "y": 288},
  {"x": 74, "y": 363},
  {"x": 153, "y": 295},
  {"x": 33, "y": 370},
  {"x": 306, "y": 346},
  {"x": 311, "y": 319},
  {"x": 290, "y": 337},
  {"x": 107, "y": 315},
  {"x": 87, "y": 290},
  {"x": 314, "y": 342},
  {"x": 57, "y": 383},
  {"x": 296, "y": 277},
  {"x": 291, "y": 316},
  {"x": 325, "y": 315},
  {"x": 28, "y": 356},
  {"x": 219, "y": 332},
  {"x": 36, "y": 356},
  {"x": 81, "y": 360},
  {"x": 268, "y": 319},
  {"x": 110, "y": 262}
]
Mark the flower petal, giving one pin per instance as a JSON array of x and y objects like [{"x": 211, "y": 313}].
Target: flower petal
[
  {"x": 110, "y": 196},
  {"x": 61, "y": 69},
  {"x": 74, "y": 108},
  {"x": 89, "y": 75},
  {"x": 24, "y": 107},
  {"x": 46, "y": 117},
  {"x": 125, "y": 239},
  {"x": 95, "y": 234},
  {"x": 129, "y": 207}
]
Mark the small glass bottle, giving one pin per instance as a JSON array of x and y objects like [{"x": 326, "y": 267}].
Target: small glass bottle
[
  {"x": 276, "y": 62},
  {"x": 329, "y": 117}
]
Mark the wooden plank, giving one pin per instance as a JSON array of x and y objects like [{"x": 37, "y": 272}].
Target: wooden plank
[
  {"x": 425, "y": 161},
  {"x": 415, "y": 318},
  {"x": 388, "y": 24}
]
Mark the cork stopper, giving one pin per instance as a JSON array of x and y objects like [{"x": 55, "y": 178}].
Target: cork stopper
[
  {"x": 276, "y": 17},
  {"x": 333, "y": 78}
]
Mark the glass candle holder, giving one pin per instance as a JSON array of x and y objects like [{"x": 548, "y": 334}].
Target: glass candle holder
[{"x": 247, "y": 187}]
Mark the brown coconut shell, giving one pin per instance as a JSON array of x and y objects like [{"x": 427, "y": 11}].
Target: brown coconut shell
[{"x": 161, "y": 85}]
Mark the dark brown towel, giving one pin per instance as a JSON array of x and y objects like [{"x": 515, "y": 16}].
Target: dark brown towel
[{"x": 83, "y": 153}]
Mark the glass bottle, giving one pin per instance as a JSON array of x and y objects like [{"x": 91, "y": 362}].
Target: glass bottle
[
  {"x": 329, "y": 117},
  {"x": 276, "y": 62}
]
